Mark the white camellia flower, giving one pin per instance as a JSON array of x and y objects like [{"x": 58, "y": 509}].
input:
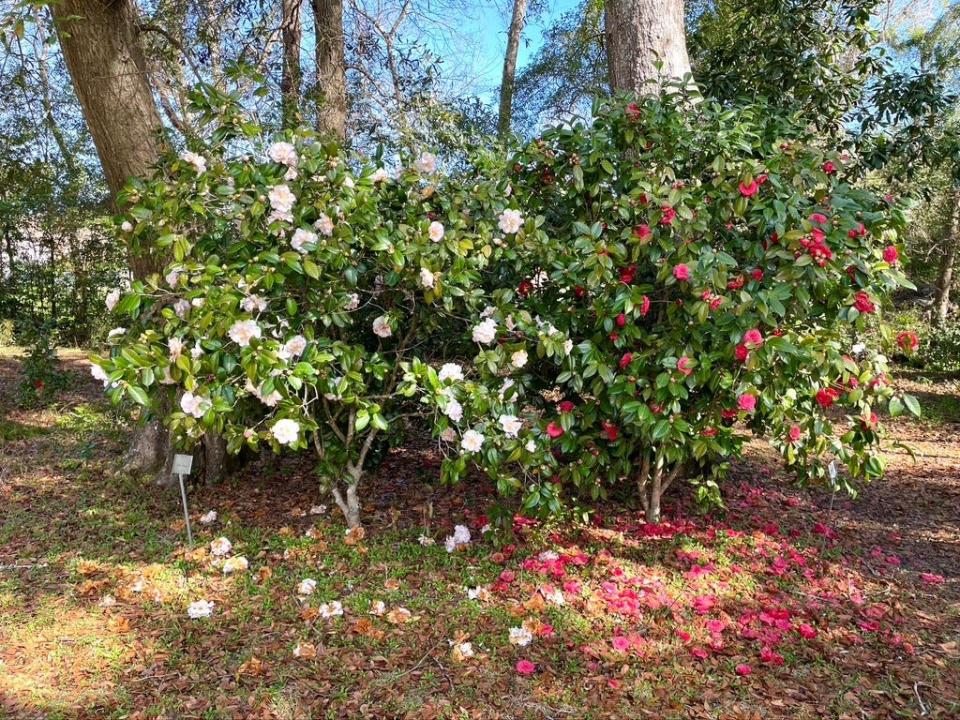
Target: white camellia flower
[
  {"x": 197, "y": 351},
  {"x": 379, "y": 175},
  {"x": 511, "y": 425},
  {"x": 282, "y": 200},
  {"x": 531, "y": 446},
  {"x": 510, "y": 221},
  {"x": 448, "y": 435},
  {"x": 286, "y": 431},
  {"x": 173, "y": 278},
  {"x": 194, "y": 405},
  {"x": 253, "y": 303},
  {"x": 353, "y": 302},
  {"x": 426, "y": 540},
  {"x": 283, "y": 153},
  {"x": 330, "y": 609},
  {"x": 296, "y": 345},
  {"x": 471, "y": 441},
  {"x": 208, "y": 518},
  {"x": 270, "y": 400},
  {"x": 200, "y": 609},
  {"x": 126, "y": 226},
  {"x": 435, "y": 231},
  {"x": 568, "y": 347},
  {"x": 426, "y": 164},
  {"x": 198, "y": 161},
  {"x": 453, "y": 410},
  {"x": 198, "y": 302},
  {"x": 181, "y": 308},
  {"x": 235, "y": 565},
  {"x": 220, "y": 547},
  {"x": 520, "y": 636},
  {"x": 99, "y": 374},
  {"x": 450, "y": 371},
  {"x": 176, "y": 346},
  {"x": 519, "y": 358},
  {"x": 243, "y": 331},
  {"x": 307, "y": 586},
  {"x": 324, "y": 225},
  {"x": 464, "y": 650},
  {"x": 116, "y": 332},
  {"x": 381, "y": 327},
  {"x": 460, "y": 537},
  {"x": 427, "y": 278},
  {"x": 113, "y": 297},
  {"x": 486, "y": 332},
  {"x": 348, "y": 182},
  {"x": 301, "y": 238},
  {"x": 858, "y": 349}
]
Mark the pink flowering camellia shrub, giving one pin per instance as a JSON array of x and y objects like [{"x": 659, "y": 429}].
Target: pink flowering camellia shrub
[{"x": 686, "y": 274}]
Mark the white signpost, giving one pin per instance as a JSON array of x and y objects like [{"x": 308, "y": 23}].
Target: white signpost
[{"x": 182, "y": 465}]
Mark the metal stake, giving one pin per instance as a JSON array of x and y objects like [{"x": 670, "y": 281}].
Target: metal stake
[{"x": 186, "y": 513}]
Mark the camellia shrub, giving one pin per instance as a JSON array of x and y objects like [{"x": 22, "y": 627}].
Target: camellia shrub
[
  {"x": 302, "y": 280},
  {"x": 687, "y": 274}
]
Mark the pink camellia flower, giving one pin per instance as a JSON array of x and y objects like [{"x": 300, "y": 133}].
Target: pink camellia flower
[
  {"x": 620, "y": 643},
  {"x": 818, "y": 218},
  {"x": 752, "y": 339},
  {"x": 683, "y": 366},
  {"x": 668, "y": 215},
  {"x": 741, "y": 352},
  {"x": 795, "y": 433},
  {"x": 743, "y": 669},
  {"x": 770, "y": 656},
  {"x": 749, "y": 189},
  {"x": 863, "y": 303},
  {"x": 525, "y": 667},
  {"x": 829, "y": 168},
  {"x": 554, "y": 430},
  {"x": 626, "y": 360},
  {"x": 747, "y": 402},
  {"x": 890, "y": 254},
  {"x": 645, "y": 305},
  {"x": 807, "y": 631},
  {"x": 565, "y": 406},
  {"x": 681, "y": 272},
  {"x": 932, "y": 578},
  {"x": 621, "y": 320},
  {"x": 699, "y": 653},
  {"x": 642, "y": 232}
]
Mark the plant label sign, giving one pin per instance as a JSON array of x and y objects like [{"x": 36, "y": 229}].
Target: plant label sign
[
  {"x": 182, "y": 464},
  {"x": 832, "y": 470}
]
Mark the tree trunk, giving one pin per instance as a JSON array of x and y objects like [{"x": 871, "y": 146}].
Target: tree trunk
[
  {"x": 291, "y": 31},
  {"x": 331, "y": 93},
  {"x": 510, "y": 66},
  {"x": 640, "y": 34},
  {"x": 106, "y": 64},
  {"x": 947, "y": 264}
]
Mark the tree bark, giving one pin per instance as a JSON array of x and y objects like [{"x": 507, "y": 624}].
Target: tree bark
[
  {"x": 291, "y": 31},
  {"x": 331, "y": 90},
  {"x": 640, "y": 34},
  {"x": 947, "y": 264},
  {"x": 510, "y": 66},
  {"x": 106, "y": 64}
]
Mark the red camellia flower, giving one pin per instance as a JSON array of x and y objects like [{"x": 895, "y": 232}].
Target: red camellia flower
[
  {"x": 633, "y": 112},
  {"x": 645, "y": 305},
  {"x": 818, "y": 218},
  {"x": 681, "y": 272},
  {"x": 580, "y": 291},
  {"x": 768, "y": 655},
  {"x": 525, "y": 667},
  {"x": 626, "y": 360},
  {"x": 807, "y": 631},
  {"x": 829, "y": 168},
  {"x": 642, "y": 232},
  {"x": 908, "y": 341},
  {"x": 795, "y": 433},
  {"x": 525, "y": 288},
  {"x": 741, "y": 352},
  {"x": 621, "y": 320},
  {"x": 869, "y": 423},
  {"x": 890, "y": 254},
  {"x": 668, "y": 215},
  {"x": 709, "y": 432},
  {"x": 826, "y": 396},
  {"x": 858, "y": 231},
  {"x": 683, "y": 366},
  {"x": 749, "y": 189},
  {"x": 566, "y": 406},
  {"x": 736, "y": 283},
  {"x": 627, "y": 274},
  {"x": 757, "y": 274},
  {"x": 761, "y": 179},
  {"x": 747, "y": 402},
  {"x": 554, "y": 430},
  {"x": 752, "y": 339},
  {"x": 610, "y": 430},
  {"x": 863, "y": 303},
  {"x": 743, "y": 669},
  {"x": 614, "y": 336}
]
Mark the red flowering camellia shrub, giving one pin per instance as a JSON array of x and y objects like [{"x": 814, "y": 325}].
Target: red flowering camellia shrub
[{"x": 672, "y": 278}]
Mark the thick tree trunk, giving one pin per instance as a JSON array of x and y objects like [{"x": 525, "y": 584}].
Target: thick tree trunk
[
  {"x": 106, "y": 64},
  {"x": 947, "y": 265},
  {"x": 510, "y": 66},
  {"x": 291, "y": 31},
  {"x": 331, "y": 92},
  {"x": 640, "y": 35}
]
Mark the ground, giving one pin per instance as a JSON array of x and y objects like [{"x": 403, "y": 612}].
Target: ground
[{"x": 784, "y": 604}]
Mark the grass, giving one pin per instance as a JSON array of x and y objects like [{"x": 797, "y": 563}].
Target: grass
[{"x": 95, "y": 580}]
